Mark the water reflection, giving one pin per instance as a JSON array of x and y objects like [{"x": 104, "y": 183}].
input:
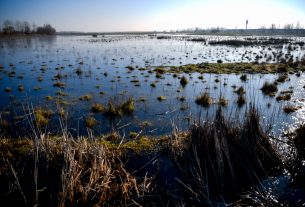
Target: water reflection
[{"x": 97, "y": 66}]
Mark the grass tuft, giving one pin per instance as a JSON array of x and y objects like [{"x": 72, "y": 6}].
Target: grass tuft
[{"x": 204, "y": 99}]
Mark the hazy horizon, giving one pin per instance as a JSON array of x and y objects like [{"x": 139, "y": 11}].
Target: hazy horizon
[{"x": 158, "y": 15}]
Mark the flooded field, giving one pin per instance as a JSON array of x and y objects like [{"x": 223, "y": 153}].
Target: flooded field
[{"x": 119, "y": 82}]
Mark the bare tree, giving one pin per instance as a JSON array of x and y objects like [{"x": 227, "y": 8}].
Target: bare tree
[
  {"x": 18, "y": 26},
  {"x": 26, "y": 27},
  {"x": 8, "y": 27},
  {"x": 272, "y": 26},
  {"x": 33, "y": 27},
  {"x": 288, "y": 26},
  {"x": 46, "y": 29}
]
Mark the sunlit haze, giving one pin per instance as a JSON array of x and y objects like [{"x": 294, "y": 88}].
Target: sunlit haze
[{"x": 144, "y": 15}]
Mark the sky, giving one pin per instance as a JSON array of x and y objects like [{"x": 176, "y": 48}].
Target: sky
[{"x": 153, "y": 15}]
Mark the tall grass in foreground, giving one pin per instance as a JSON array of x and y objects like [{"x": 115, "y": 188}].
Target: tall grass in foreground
[
  {"x": 220, "y": 158},
  {"x": 214, "y": 161},
  {"x": 59, "y": 172}
]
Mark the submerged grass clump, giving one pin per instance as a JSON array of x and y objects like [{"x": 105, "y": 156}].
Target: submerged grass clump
[
  {"x": 290, "y": 109},
  {"x": 282, "y": 78},
  {"x": 243, "y": 77},
  {"x": 161, "y": 98},
  {"x": 222, "y": 101},
  {"x": 241, "y": 100},
  {"x": 87, "y": 97},
  {"x": 42, "y": 116},
  {"x": 184, "y": 81},
  {"x": 240, "y": 91},
  {"x": 283, "y": 97},
  {"x": 269, "y": 88},
  {"x": 7, "y": 89},
  {"x": 20, "y": 88},
  {"x": 97, "y": 107},
  {"x": 59, "y": 84},
  {"x": 90, "y": 122},
  {"x": 126, "y": 107},
  {"x": 204, "y": 99}
]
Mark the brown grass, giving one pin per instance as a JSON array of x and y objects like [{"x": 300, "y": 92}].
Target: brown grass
[{"x": 67, "y": 173}]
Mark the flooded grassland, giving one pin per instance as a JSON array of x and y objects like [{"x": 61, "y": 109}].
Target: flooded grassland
[{"x": 86, "y": 82}]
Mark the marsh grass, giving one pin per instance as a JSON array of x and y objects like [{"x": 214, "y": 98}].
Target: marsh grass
[
  {"x": 69, "y": 172},
  {"x": 59, "y": 84},
  {"x": 7, "y": 89},
  {"x": 269, "y": 89},
  {"x": 221, "y": 157},
  {"x": 121, "y": 108},
  {"x": 204, "y": 99},
  {"x": 222, "y": 101},
  {"x": 283, "y": 97},
  {"x": 161, "y": 98},
  {"x": 90, "y": 122},
  {"x": 86, "y": 97},
  {"x": 184, "y": 81},
  {"x": 42, "y": 116},
  {"x": 97, "y": 107},
  {"x": 215, "y": 158},
  {"x": 290, "y": 109},
  {"x": 241, "y": 100}
]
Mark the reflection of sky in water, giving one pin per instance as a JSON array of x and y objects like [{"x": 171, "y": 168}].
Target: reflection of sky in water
[{"x": 112, "y": 53}]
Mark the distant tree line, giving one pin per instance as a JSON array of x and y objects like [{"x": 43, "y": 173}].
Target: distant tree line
[
  {"x": 23, "y": 27},
  {"x": 263, "y": 27}
]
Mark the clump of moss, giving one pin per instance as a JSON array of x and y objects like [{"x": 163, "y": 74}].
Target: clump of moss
[
  {"x": 153, "y": 85},
  {"x": 204, "y": 99},
  {"x": 87, "y": 97},
  {"x": 49, "y": 98},
  {"x": 20, "y": 88},
  {"x": 161, "y": 98},
  {"x": 184, "y": 81},
  {"x": 222, "y": 101},
  {"x": 7, "y": 89},
  {"x": 241, "y": 100},
  {"x": 61, "y": 93},
  {"x": 90, "y": 122},
  {"x": 126, "y": 107},
  {"x": 290, "y": 109},
  {"x": 282, "y": 78},
  {"x": 36, "y": 88},
  {"x": 240, "y": 90},
  {"x": 243, "y": 77},
  {"x": 78, "y": 71},
  {"x": 145, "y": 124},
  {"x": 269, "y": 88},
  {"x": 133, "y": 135},
  {"x": 283, "y": 97},
  {"x": 181, "y": 98},
  {"x": 130, "y": 67},
  {"x": 97, "y": 107},
  {"x": 59, "y": 84},
  {"x": 42, "y": 116},
  {"x": 160, "y": 70}
]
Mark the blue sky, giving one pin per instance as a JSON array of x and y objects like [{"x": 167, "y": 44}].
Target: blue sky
[{"x": 148, "y": 15}]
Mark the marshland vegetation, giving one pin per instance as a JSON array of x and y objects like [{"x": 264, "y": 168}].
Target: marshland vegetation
[{"x": 106, "y": 127}]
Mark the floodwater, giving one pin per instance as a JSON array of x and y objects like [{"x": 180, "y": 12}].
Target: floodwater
[{"x": 37, "y": 63}]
